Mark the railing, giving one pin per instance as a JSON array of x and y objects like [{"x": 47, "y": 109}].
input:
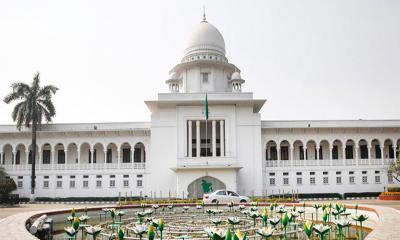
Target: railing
[
  {"x": 74, "y": 166},
  {"x": 333, "y": 162},
  {"x": 205, "y": 161}
]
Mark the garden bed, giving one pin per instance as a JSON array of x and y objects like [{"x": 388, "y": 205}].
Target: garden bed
[{"x": 389, "y": 196}]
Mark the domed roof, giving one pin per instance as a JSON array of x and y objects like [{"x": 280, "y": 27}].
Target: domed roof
[
  {"x": 205, "y": 38},
  {"x": 236, "y": 76}
]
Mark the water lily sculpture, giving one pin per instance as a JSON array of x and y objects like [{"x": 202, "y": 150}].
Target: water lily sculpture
[
  {"x": 322, "y": 230},
  {"x": 230, "y": 205},
  {"x": 185, "y": 208},
  {"x": 170, "y": 207},
  {"x": 274, "y": 221},
  {"x": 209, "y": 212},
  {"x": 265, "y": 232},
  {"x": 93, "y": 231},
  {"x": 140, "y": 216},
  {"x": 233, "y": 221},
  {"x": 360, "y": 218},
  {"x": 155, "y": 207},
  {"x": 340, "y": 225},
  {"x": 308, "y": 228},
  {"x": 120, "y": 214},
  {"x": 316, "y": 206},
  {"x": 302, "y": 211},
  {"x": 294, "y": 215},
  {"x": 254, "y": 215},
  {"x": 242, "y": 207},
  {"x": 71, "y": 232},
  {"x": 140, "y": 229},
  {"x": 216, "y": 221},
  {"x": 84, "y": 218},
  {"x": 149, "y": 212}
]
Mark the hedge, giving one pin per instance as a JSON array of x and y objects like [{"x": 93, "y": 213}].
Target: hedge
[
  {"x": 362, "y": 194},
  {"x": 393, "y": 189}
]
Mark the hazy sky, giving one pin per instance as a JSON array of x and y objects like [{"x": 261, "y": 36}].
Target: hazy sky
[{"x": 309, "y": 59}]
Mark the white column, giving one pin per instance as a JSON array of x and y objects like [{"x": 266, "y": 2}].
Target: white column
[
  {"x": 382, "y": 155},
  {"x": 330, "y": 156},
  {"x": 344, "y": 154},
  {"x": 222, "y": 137},
  {"x": 79, "y": 158},
  {"x": 39, "y": 158},
  {"x": 27, "y": 157},
  {"x": 1, "y": 158},
  {"x": 278, "y": 155},
  {"x": 66, "y": 157},
  {"x": 190, "y": 139},
  {"x": 291, "y": 155},
  {"x": 305, "y": 155},
  {"x": 317, "y": 157},
  {"x": 142, "y": 154},
  {"x": 369, "y": 155},
  {"x": 394, "y": 152},
  {"x": 197, "y": 138},
  {"x": 132, "y": 155},
  {"x": 119, "y": 156},
  {"x": 52, "y": 157},
  {"x": 92, "y": 152},
  {"x": 214, "y": 139}
]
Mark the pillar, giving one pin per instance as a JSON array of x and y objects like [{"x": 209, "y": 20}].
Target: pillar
[
  {"x": 79, "y": 158},
  {"x": 118, "y": 157},
  {"x": 92, "y": 153},
  {"x": 330, "y": 155},
  {"x": 369, "y": 155},
  {"x": 291, "y": 155},
  {"x": 394, "y": 152},
  {"x": 222, "y": 137},
  {"x": 39, "y": 158},
  {"x": 132, "y": 157},
  {"x": 66, "y": 157},
  {"x": 27, "y": 157},
  {"x": 198, "y": 138},
  {"x": 278, "y": 155},
  {"x": 190, "y": 139},
  {"x": 382, "y": 155},
  {"x": 52, "y": 157},
  {"x": 344, "y": 154},
  {"x": 1, "y": 158},
  {"x": 317, "y": 157},
  {"x": 105, "y": 156},
  {"x": 214, "y": 138},
  {"x": 305, "y": 155}
]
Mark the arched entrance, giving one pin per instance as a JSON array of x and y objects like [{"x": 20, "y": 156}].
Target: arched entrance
[{"x": 202, "y": 185}]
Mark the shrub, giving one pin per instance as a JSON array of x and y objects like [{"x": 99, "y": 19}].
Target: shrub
[
  {"x": 393, "y": 189},
  {"x": 7, "y": 185},
  {"x": 362, "y": 194}
]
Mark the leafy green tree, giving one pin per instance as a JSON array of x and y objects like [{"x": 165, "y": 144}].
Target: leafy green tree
[
  {"x": 7, "y": 185},
  {"x": 34, "y": 104},
  {"x": 394, "y": 169}
]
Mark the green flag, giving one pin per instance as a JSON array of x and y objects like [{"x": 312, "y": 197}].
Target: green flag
[{"x": 206, "y": 108}]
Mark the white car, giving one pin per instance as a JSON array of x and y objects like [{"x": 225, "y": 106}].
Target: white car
[{"x": 224, "y": 196}]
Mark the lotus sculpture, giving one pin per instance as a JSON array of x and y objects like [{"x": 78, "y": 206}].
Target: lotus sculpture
[
  {"x": 233, "y": 221},
  {"x": 93, "y": 231},
  {"x": 321, "y": 230},
  {"x": 264, "y": 216},
  {"x": 239, "y": 235},
  {"x": 216, "y": 221},
  {"x": 254, "y": 215},
  {"x": 274, "y": 221},
  {"x": 230, "y": 206},
  {"x": 360, "y": 218},
  {"x": 285, "y": 222},
  {"x": 316, "y": 206},
  {"x": 242, "y": 207},
  {"x": 150, "y": 232},
  {"x": 140, "y": 229},
  {"x": 155, "y": 207},
  {"x": 71, "y": 232},
  {"x": 340, "y": 225},
  {"x": 308, "y": 228},
  {"x": 265, "y": 232}
]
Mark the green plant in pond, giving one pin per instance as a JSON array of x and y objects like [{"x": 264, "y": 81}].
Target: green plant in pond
[
  {"x": 340, "y": 225},
  {"x": 264, "y": 216},
  {"x": 75, "y": 224},
  {"x": 321, "y": 230},
  {"x": 73, "y": 212},
  {"x": 265, "y": 232},
  {"x": 285, "y": 222},
  {"x": 316, "y": 206},
  {"x": 120, "y": 233},
  {"x": 325, "y": 216},
  {"x": 93, "y": 231},
  {"x": 360, "y": 218},
  {"x": 150, "y": 232},
  {"x": 161, "y": 227},
  {"x": 240, "y": 236},
  {"x": 228, "y": 234},
  {"x": 308, "y": 228}
]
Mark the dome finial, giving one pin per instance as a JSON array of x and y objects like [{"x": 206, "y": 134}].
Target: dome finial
[{"x": 204, "y": 14}]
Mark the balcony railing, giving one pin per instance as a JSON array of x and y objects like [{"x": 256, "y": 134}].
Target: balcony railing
[
  {"x": 333, "y": 162},
  {"x": 94, "y": 166},
  {"x": 206, "y": 161}
]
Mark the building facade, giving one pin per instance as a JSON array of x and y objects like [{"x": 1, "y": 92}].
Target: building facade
[{"x": 178, "y": 150}]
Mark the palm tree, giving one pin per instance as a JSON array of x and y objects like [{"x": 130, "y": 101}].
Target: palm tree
[{"x": 34, "y": 104}]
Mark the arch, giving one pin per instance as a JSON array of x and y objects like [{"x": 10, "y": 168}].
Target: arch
[
  {"x": 350, "y": 149},
  {"x": 112, "y": 152},
  {"x": 284, "y": 148},
  {"x": 98, "y": 154},
  {"x": 324, "y": 150},
  {"x": 337, "y": 149},
  {"x": 204, "y": 184},
  {"x": 85, "y": 153},
  {"x": 388, "y": 151},
  {"x": 46, "y": 152},
  {"x": 139, "y": 154},
  {"x": 311, "y": 150},
  {"x": 376, "y": 151},
  {"x": 8, "y": 154},
  {"x": 363, "y": 148},
  {"x": 20, "y": 154},
  {"x": 72, "y": 153},
  {"x": 298, "y": 150},
  {"x": 271, "y": 152},
  {"x": 59, "y": 153},
  {"x": 126, "y": 152}
]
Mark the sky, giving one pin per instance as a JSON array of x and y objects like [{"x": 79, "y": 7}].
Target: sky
[{"x": 312, "y": 59}]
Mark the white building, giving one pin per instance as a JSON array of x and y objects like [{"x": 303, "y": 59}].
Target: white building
[{"x": 171, "y": 154}]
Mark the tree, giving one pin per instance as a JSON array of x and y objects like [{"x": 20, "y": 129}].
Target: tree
[
  {"x": 7, "y": 185},
  {"x": 394, "y": 168},
  {"x": 34, "y": 103}
]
